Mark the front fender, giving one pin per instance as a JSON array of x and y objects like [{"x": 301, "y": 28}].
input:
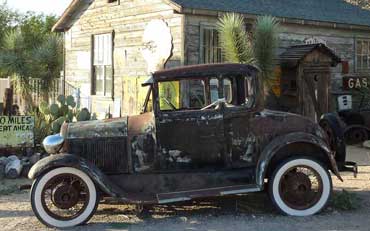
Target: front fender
[
  {"x": 278, "y": 143},
  {"x": 69, "y": 160}
]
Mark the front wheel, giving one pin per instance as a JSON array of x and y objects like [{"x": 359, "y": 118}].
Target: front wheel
[
  {"x": 64, "y": 197},
  {"x": 300, "y": 187}
]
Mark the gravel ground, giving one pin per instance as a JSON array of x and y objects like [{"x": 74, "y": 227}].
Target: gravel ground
[{"x": 251, "y": 212}]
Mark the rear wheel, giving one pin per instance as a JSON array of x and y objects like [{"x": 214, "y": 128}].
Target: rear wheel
[
  {"x": 300, "y": 187},
  {"x": 356, "y": 135},
  {"x": 64, "y": 197}
]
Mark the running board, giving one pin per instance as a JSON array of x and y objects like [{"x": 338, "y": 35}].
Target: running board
[{"x": 164, "y": 198}]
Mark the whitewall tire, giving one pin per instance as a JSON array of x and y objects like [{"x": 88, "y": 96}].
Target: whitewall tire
[
  {"x": 66, "y": 187},
  {"x": 300, "y": 187}
]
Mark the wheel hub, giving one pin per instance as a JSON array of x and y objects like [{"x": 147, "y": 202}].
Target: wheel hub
[
  {"x": 65, "y": 196},
  {"x": 298, "y": 183}
]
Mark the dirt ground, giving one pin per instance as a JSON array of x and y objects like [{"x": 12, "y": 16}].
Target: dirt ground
[{"x": 251, "y": 212}]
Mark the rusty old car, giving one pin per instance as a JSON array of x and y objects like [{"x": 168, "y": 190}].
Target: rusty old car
[{"x": 203, "y": 132}]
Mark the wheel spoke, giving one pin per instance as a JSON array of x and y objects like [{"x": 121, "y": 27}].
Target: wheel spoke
[
  {"x": 301, "y": 187},
  {"x": 65, "y": 197}
]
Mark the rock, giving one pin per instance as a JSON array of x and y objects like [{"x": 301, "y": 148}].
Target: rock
[
  {"x": 14, "y": 167},
  {"x": 366, "y": 144},
  {"x": 34, "y": 158},
  {"x": 25, "y": 170},
  {"x": 2, "y": 171},
  {"x": 183, "y": 219},
  {"x": 4, "y": 160},
  {"x": 29, "y": 152}
]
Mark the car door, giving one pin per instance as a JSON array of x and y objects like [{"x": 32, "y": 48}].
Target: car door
[{"x": 190, "y": 138}]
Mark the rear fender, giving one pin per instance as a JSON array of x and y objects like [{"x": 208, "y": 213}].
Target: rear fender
[
  {"x": 280, "y": 142},
  {"x": 69, "y": 160},
  {"x": 357, "y": 126}
]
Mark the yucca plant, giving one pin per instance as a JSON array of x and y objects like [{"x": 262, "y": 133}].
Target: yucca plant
[
  {"x": 257, "y": 48},
  {"x": 48, "y": 62},
  {"x": 265, "y": 43},
  {"x": 15, "y": 61},
  {"x": 235, "y": 42}
]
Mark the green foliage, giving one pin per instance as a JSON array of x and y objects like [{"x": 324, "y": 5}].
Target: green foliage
[
  {"x": 71, "y": 102},
  {"x": 48, "y": 62},
  {"x": 42, "y": 126},
  {"x": 63, "y": 111},
  {"x": 345, "y": 201},
  {"x": 265, "y": 43},
  {"x": 83, "y": 115},
  {"x": 8, "y": 19},
  {"x": 362, "y": 3},
  {"x": 36, "y": 28},
  {"x": 239, "y": 47},
  {"x": 235, "y": 42},
  {"x": 28, "y": 49}
]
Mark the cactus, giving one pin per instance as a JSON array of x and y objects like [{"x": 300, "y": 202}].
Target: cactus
[
  {"x": 70, "y": 116},
  {"x": 57, "y": 124},
  {"x": 61, "y": 99},
  {"x": 64, "y": 110},
  {"x": 83, "y": 115},
  {"x": 71, "y": 101},
  {"x": 44, "y": 108},
  {"x": 54, "y": 110}
]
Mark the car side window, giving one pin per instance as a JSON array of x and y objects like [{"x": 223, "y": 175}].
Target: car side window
[
  {"x": 228, "y": 90},
  {"x": 214, "y": 89},
  {"x": 182, "y": 95},
  {"x": 248, "y": 89}
]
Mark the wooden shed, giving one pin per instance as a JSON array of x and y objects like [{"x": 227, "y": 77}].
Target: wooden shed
[{"x": 306, "y": 79}]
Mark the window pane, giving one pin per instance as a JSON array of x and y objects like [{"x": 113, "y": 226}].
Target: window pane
[
  {"x": 211, "y": 50},
  {"x": 228, "y": 91},
  {"x": 359, "y": 47},
  {"x": 171, "y": 92},
  {"x": 214, "y": 89},
  {"x": 364, "y": 62},
  {"x": 365, "y": 47},
  {"x": 169, "y": 95},
  {"x": 103, "y": 49},
  {"x": 197, "y": 94},
  {"x": 99, "y": 79},
  {"x": 108, "y": 81},
  {"x": 358, "y": 61}
]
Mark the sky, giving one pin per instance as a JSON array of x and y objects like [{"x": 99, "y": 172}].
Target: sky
[{"x": 56, "y": 7}]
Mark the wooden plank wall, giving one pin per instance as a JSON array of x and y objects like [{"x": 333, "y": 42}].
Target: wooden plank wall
[{"x": 128, "y": 21}]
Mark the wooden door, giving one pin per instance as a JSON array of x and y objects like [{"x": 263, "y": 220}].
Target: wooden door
[{"x": 315, "y": 92}]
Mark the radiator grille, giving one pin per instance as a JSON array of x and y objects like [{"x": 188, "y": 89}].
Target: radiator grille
[{"x": 108, "y": 154}]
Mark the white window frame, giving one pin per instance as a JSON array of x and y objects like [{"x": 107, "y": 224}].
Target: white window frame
[{"x": 102, "y": 56}]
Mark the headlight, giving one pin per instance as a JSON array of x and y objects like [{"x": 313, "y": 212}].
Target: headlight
[{"x": 53, "y": 144}]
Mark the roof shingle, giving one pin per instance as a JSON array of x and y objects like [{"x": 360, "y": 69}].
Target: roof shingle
[{"x": 335, "y": 11}]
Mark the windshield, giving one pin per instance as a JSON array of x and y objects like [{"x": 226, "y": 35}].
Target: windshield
[
  {"x": 197, "y": 94},
  {"x": 182, "y": 95}
]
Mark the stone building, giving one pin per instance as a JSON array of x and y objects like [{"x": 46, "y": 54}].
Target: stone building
[{"x": 103, "y": 42}]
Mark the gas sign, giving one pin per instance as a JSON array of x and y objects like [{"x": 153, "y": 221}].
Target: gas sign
[{"x": 351, "y": 83}]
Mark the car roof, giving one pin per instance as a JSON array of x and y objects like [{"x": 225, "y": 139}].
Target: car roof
[{"x": 205, "y": 70}]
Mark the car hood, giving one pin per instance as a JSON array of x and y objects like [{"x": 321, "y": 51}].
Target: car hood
[{"x": 97, "y": 129}]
